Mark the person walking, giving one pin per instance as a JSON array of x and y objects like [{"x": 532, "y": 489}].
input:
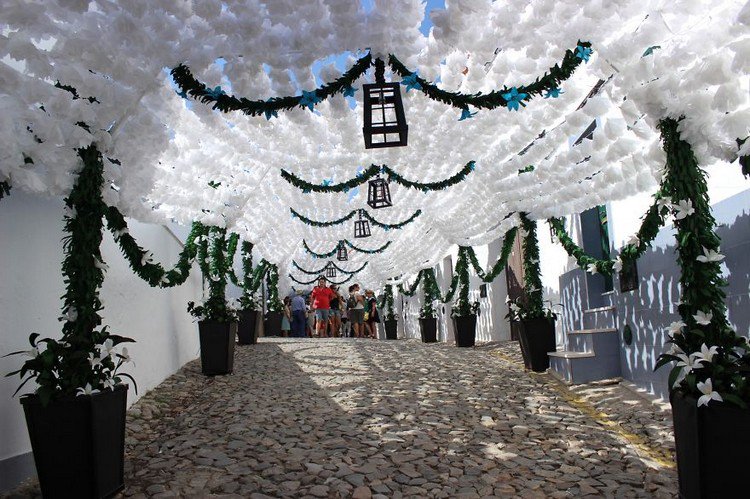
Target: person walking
[
  {"x": 335, "y": 311},
  {"x": 373, "y": 317},
  {"x": 310, "y": 318},
  {"x": 321, "y": 301},
  {"x": 356, "y": 308},
  {"x": 286, "y": 317},
  {"x": 298, "y": 316}
]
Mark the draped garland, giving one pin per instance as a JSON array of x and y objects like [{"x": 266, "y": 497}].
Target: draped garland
[
  {"x": 214, "y": 263},
  {"x": 491, "y": 274},
  {"x": 307, "y": 283},
  {"x": 322, "y": 269},
  {"x": 506, "y": 97},
  {"x": 272, "y": 284},
  {"x": 338, "y": 221},
  {"x": 329, "y": 254},
  {"x": 387, "y": 303},
  {"x": 189, "y": 85},
  {"x": 373, "y": 171}
]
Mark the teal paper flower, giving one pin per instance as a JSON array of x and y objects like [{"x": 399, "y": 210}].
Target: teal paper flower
[
  {"x": 514, "y": 98},
  {"x": 214, "y": 93},
  {"x": 466, "y": 114},
  {"x": 583, "y": 53},
  {"x": 349, "y": 91},
  {"x": 411, "y": 82},
  {"x": 309, "y": 99},
  {"x": 553, "y": 93}
]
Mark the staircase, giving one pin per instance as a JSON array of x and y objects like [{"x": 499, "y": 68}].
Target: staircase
[{"x": 591, "y": 353}]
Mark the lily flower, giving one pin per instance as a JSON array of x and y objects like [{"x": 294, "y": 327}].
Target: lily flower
[
  {"x": 662, "y": 202},
  {"x": 617, "y": 264},
  {"x": 676, "y": 327},
  {"x": 94, "y": 360},
  {"x": 683, "y": 209},
  {"x": 706, "y": 354},
  {"x": 709, "y": 255},
  {"x": 633, "y": 241},
  {"x": 707, "y": 389},
  {"x": 70, "y": 315},
  {"x": 591, "y": 269},
  {"x": 100, "y": 264},
  {"x": 86, "y": 390},
  {"x": 125, "y": 356},
  {"x": 107, "y": 349},
  {"x": 33, "y": 353},
  {"x": 147, "y": 258},
  {"x": 164, "y": 279},
  {"x": 703, "y": 318},
  {"x": 109, "y": 383}
]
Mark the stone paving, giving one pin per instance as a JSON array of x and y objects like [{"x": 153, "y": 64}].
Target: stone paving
[{"x": 364, "y": 418}]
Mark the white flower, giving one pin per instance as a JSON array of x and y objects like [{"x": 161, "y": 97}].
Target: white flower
[
  {"x": 100, "y": 264},
  {"x": 676, "y": 327},
  {"x": 107, "y": 348},
  {"x": 515, "y": 308},
  {"x": 125, "y": 356},
  {"x": 164, "y": 279},
  {"x": 33, "y": 353},
  {"x": 86, "y": 390},
  {"x": 119, "y": 233},
  {"x": 633, "y": 241},
  {"x": 94, "y": 360},
  {"x": 662, "y": 202},
  {"x": 703, "y": 318},
  {"x": 507, "y": 299},
  {"x": 683, "y": 209},
  {"x": 147, "y": 258},
  {"x": 215, "y": 278},
  {"x": 675, "y": 350},
  {"x": 706, "y": 354},
  {"x": 70, "y": 315},
  {"x": 592, "y": 268},
  {"x": 523, "y": 232},
  {"x": 708, "y": 392},
  {"x": 109, "y": 383},
  {"x": 709, "y": 255},
  {"x": 617, "y": 264}
]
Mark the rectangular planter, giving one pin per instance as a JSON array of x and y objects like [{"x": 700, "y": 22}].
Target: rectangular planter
[
  {"x": 272, "y": 324},
  {"x": 391, "y": 330},
  {"x": 79, "y": 443},
  {"x": 537, "y": 339},
  {"x": 466, "y": 330},
  {"x": 246, "y": 334},
  {"x": 428, "y": 330},
  {"x": 712, "y": 444},
  {"x": 217, "y": 346}
]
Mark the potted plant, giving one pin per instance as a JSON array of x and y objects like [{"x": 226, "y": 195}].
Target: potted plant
[
  {"x": 272, "y": 323},
  {"x": 428, "y": 323},
  {"x": 391, "y": 324},
  {"x": 536, "y": 334},
  {"x": 464, "y": 314}
]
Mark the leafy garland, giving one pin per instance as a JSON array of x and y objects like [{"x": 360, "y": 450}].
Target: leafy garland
[
  {"x": 84, "y": 360},
  {"x": 189, "y": 85},
  {"x": 251, "y": 279},
  {"x": 272, "y": 283},
  {"x": 347, "y": 243},
  {"x": 316, "y": 223},
  {"x": 506, "y": 97},
  {"x": 4, "y": 189},
  {"x": 307, "y": 283},
  {"x": 431, "y": 294},
  {"x": 324, "y": 267},
  {"x": 489, "y": 276},
  {"x": 462, "y": 307},
  {"x": 388, "y": 303},
  {"x": 711, "y": 362},
  {"x": 214, "y": 265},
  {"x": 373, "y": 171},
  {"x": 412, "y": 290}
]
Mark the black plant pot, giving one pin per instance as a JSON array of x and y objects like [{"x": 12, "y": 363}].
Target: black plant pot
[
  {"x": 428, "y": 330},
  {"x": 391, "y": 329},
  {"x": 217, "y": 346},
  {"x": 466, "y": 330},
  {"x": 711, "y": 444},
  {"x": 272, "y": 324},
  {"x": 79, "y": 443},
  {"x": 537, "y": 339},
  {"x": 246, "y": 327}
]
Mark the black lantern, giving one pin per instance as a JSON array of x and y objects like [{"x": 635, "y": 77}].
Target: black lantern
[
  {"x": 361, "y": 226},
  {"x": 385, "y": 123},
  {"x": 342, "y": 255},
  {"x": 330, "y": 271},
  {"x": 378, "y": 193}
]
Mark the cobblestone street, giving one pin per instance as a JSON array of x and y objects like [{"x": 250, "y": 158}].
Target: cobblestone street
[{"x": 362, "y": 418}]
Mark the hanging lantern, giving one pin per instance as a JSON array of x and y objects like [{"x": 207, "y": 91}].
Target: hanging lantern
[
  {"x": 385, "y": 123},
  {"x": 361, "y": 226},
  {"x": 330, "y": 271},
  {"x": 342, "y": 255},
  {"x": 378, "y": 193}
]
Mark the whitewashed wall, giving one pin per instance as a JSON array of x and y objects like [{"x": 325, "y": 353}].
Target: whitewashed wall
[{"x": 30, "y": 290}]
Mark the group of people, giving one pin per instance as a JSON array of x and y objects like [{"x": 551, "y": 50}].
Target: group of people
[{"x": 327, "y": 314}]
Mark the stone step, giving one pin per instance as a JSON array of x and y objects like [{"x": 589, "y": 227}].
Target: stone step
[
  {"x": 583, "y": 367},
  {"x": 605, "y": 340},
  {"x": 600, "y": 317}
]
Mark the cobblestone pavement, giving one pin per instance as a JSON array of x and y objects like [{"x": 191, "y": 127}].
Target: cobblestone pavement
[{"x": 363, "y": 418}]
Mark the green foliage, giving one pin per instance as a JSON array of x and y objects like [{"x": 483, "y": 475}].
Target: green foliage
[
  {"x": 489, "y": 276},
  {"x": 214, "y": 264},
  {"x": 376, "y": 170},
  {"x": 272, "y": 283},
  {"x": 388, "y": 303},
  {"x": 323, "y": 268},
  {"x": 462, "y": 306},
  {"x": 328, "y": 280},
  {"x": 331, "y": 253},
  {"x": 351, "y": 215}
]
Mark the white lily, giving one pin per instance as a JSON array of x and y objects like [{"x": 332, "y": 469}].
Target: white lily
[
  {"x": 70, "y": 315},
  {"x": 591, "y": 269},
  {"x": 100, "y": 264},
  {"x": 688, "y": 363},
  {"x": 709, "y": 255},
  {"x": 94, "y": 360},
  {"x": 515, "y": 308},
  {"x": 707, "y": 389},
  {"x": 109, "y": 383},
  {"x": 703, "y": 318},
  {"x": 86, "y": 390},
  {"x": 617, "y": 264},
  {"x": 675, "y": 350},
  {"x": 215, "y": 278},
  {"x": 662, "y": 202},
  {"x": 107, "y": 348},
  {"x": 147, "y": 257},
  {"x": 676, "y": 327},
  {"x": 33, "y": 353},
  {"x": 125, "y": 356},
  {"x": 633, "y": 241},
  {"x": 164, "y": 279},
  {"x": 706, "y": 353},
  {"x": 683, "y": 209},
  {"x": 119, "y": 233},
  {"x": 507, "y": 299}
]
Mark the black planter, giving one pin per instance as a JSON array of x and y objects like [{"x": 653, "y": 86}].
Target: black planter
[
  {"x": 391, "y": 329},
  {"x": 246, "y": 327},
  {"x": 428, "y": 330},
  {"x": 537, "y": 339},
  {"x": 272, "y": 324},
  {"x": 466, "y": 330},
  {"x": 217, "y": 346},
  {"x": 711, "y": 444},
  {"x": 79, "y": 443}
]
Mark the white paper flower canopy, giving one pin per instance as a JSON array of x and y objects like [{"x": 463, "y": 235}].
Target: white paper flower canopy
[{"x": 658, "y": 58}]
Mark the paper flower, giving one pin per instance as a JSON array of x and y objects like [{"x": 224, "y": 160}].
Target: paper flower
[
  {"x": 182, "y": 94},
  {"x": 466, "y": 114},
  {"x": 650, "y": 50},
  {"x": 69, "y": 315},
  {"x": 591, "y": 268},
  {"x": 411, "y": 82},
  {"x": 214, "y": 93},
  {"x": 349, "y": 91},
  {"x": 309, "y": 99},
  {"x": 709, "y": 256},
  {"x": 617, "y": 264},
  {"x": 706, "y": 354},
  {"x": 147, "y": 258},
  {"x": 270, "y": 113},
  {"x": 86, "y": 390},
  {"x": 676, "y": 327},
  {"x": 707, "y": 389},
  {"x": 703, "y": 318},
  {"x": 100, "y": 264},
  {"x": 553, "y": 93},
  {"x": 94, "y": 360},
  {"x": 633, "y": 241},
  {"x": 683, "y": 209},
  {"x": 583, "y": 53},
  {"x": 514, "y": 98},
  {"x": 106, "y": 349}
]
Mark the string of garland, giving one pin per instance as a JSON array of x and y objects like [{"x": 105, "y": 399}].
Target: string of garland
[
  {"x": 489, "y": 276},
  {"x": 251, "y": 279},
  {"x": 214, "y": 265},
  {"x": 462, "y": 307},
  {"x": 231, "y": 250},
  {"x": 547, "y": 85},
  {"x": 329, "y": 254},
  {"x": 4, "y": 189},
  {"x": 272, "y": 284},
  {"x": 224, "y": 102},
  {"x": 373, "y": 171},
  {"x": 533, "y": 300},
  {"x": 431, "y": 294},
  {"x": 338, "y": 221},
  {"x": 141, "y": 260},
  {"x": 324, "y": 267},
  {"x": 366, "y": 251},
  {"x": 387, "y": 303},
  {"x": 411, "y": 290},
  {"x": 313, "y": 281}
]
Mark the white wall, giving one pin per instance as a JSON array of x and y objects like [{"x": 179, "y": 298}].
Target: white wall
[{"x": 30, "y": 290}]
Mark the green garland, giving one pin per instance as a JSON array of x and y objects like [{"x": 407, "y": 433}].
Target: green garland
[
  {"x": 251, "y": 279},
  {"x": 726, "y": 356},
  {"x": 322, "y": 269},
  {"x": 316, "y": 223},
  {"x": 413, "y": 288},
  {"x": 214, "y": 265},
  {"x": 547, "y": 83},
  {"x": 489, "y": 276},
  {"x": 462, "y": 307},
  {"x": 366, "y": 251},
  {"x": 431, "y": 294},
  {"x": 4, "y": 189},
  {"x": 373, "y": 171},
  {"x": 189, "y": 85},
  {"x": 140, "y": 260},
  {"x": 272, "y": 283},
  {"x": 307, "y": 283},
  {"x": 388, "y": 302},
  {"x": 329, "y": 254},
  {"x": 83, "y": 359}
]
